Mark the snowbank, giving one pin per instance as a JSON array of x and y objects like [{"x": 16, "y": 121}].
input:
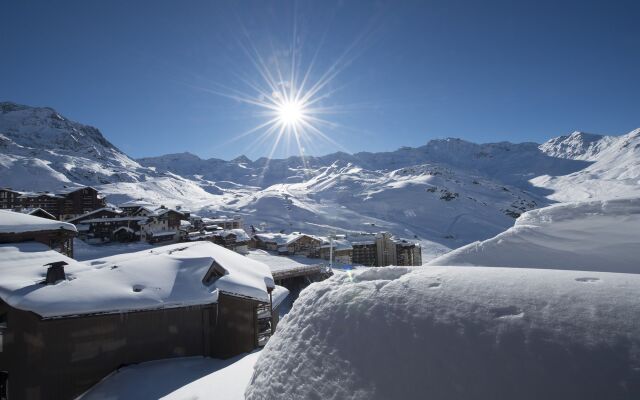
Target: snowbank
[
  {"x": 167, "y": 276},
  {"x": 594, "y": 236},
  {"x": 15, "y": 222},
  {"x": 457, "y": 333}
]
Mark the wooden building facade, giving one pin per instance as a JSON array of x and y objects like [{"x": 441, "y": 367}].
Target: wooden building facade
[
  {"x": 63, "y": 204},
  {"x": 60, "y": 358},
  {"x": 62, "y": 335}
]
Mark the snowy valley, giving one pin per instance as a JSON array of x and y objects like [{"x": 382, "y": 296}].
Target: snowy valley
[{"x": 446, "y": 194}]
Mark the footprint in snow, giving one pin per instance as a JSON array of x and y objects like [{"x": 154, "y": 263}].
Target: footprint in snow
[
  {"x": 588, "y": 279},
  {"x": 506, "y": 312}
]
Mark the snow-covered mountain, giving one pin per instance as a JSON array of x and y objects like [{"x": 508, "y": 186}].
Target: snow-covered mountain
[
  {"x": 42, "y": 150},
  {"x": 41, "y": 144},
  {"x": 613, "y": 170},
  {"x": 449, "y": 191}
]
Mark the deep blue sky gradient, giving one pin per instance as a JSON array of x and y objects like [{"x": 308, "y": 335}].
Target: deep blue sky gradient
[{"x": 479, "y": 70}]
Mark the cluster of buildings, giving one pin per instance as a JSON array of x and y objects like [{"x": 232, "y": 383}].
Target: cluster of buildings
[
  {"x": 65, "y": 324},
  {"x": 139, "y": 220},
  {"x": 135, "y": 220},
  {"x": 368, "y": 249}
]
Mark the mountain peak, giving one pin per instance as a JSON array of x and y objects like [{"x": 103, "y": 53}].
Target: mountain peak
[{"x": 241, "y": 160}]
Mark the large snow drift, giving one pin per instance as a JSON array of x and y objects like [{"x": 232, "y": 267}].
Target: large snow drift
[
  {"x": 457, "y": 333},
  {"x": 594, "y": 236}
]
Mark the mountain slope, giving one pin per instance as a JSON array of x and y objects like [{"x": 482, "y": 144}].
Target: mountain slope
[
  {"x": 42, "y": 150},
  {"x": 449, "y": 191},
  {"x": 613, "y": 172}
]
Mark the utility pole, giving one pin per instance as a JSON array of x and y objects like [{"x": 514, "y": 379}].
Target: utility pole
[{"x": 330, "y": 251}]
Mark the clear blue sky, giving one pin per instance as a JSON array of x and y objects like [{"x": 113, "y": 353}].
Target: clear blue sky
[{"x": 142, "y": 71}]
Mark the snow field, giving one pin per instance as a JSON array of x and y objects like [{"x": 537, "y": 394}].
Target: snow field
[{"x": 467, "y": 332}]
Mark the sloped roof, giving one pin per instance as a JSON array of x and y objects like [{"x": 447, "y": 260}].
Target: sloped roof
[
  {"x": 15, "y": 222},
  {"x": 109, "y": 209},
  {"x": 165, "y": 277}
]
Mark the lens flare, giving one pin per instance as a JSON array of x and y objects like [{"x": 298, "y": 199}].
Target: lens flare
[{"x": 291, "y": 113}]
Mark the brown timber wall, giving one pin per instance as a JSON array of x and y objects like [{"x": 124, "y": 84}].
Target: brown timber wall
[{"x": 62, "y": 358}]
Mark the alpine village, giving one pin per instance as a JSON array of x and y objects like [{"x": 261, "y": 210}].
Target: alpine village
[{"x": 210, "y": 288}]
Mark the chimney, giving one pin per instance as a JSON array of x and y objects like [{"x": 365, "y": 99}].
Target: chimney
[{"x": 55, "y": 272}]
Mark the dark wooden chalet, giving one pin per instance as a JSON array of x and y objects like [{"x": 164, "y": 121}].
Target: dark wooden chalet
[{"x": 59, "y": 339}]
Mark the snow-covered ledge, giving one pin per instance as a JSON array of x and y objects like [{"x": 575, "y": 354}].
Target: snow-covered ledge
[{"x": 458, "y": 333}]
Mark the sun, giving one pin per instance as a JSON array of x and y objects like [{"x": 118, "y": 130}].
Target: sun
[{"x": 290, "y": 113}]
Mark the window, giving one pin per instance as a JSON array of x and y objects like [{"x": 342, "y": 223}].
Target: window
[
  {"x": 4, "y": 385},
  {"x": 215, "y": 271},
  {"x": 3, "y": 328}
]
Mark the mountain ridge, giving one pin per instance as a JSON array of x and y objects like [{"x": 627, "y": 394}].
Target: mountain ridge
[{"x": 446, "y": 193}]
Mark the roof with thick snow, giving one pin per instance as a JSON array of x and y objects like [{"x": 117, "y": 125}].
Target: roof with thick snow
[
  {"x": 109, "y": 209},
  {"x": 15, "y": 222},
  {"x": 278, "y": 295},
  {"x": 241, "y": 235},
  {"x": 164, "y": 277},
  {"x": 282, "y": 239},
  {"x": 33, "y": 211}
]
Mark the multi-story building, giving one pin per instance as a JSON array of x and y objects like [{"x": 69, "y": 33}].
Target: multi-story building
[
  {"x": 339, "y": 250},
  {"x": 62, "y": 204},
  {"x": 364, "y": 253},
  {"x": 384, "y": 249},
  {"x": 9, "y": 198}
]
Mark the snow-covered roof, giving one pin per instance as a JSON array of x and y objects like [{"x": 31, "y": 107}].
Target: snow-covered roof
[
  {"x": 116, "y": 219},
  {"x": 40, "y": 194},
  {"x": 110, "y": 209},
  {"x": 278, "y": 295},
  {"x": 338, "y": 244},
  {"x": 163, "y": 233},
  {"x": 405, "y": 242},
  {"x": 15, "y": 222},
  {"x": 241, "y": 235},
  {"x": 277, "y": 238},
  {"x": 124, "y": 228},
  {"x": 164, "y": 277},
  {"x": 32, "y": 211}
]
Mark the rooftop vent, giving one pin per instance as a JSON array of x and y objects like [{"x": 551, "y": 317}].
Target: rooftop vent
[{"x": 55, "y": 272}]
